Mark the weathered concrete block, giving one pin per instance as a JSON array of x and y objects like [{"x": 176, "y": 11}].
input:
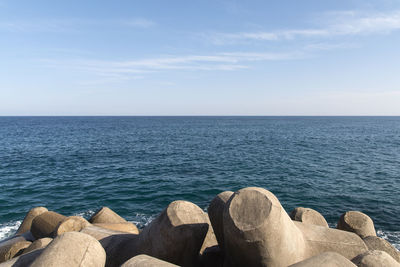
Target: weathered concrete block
[
  {"x": 377, "y": 243},
  {"x": 326, "y": 259},
  {"x": 119, "y": 246},
  {"x": 45, "y": 224},
  {"x": 375, "y": 258},
  {"x": 72, "y": 249},
  {"x": 258, "y": 232},
  {"x": 12, "y": 247},
  {"x": 146, "y": 261},
  {"x": 106, "y": 215},
  {"x": 321, "y": 239},
  {"x": 38, "y": 244},
  {"x": 70, "y": 224},
  {"x": 27, "y": 222},
  {"x": 215, "y": 213},
  {"x": 23, "y": 260},
  {"x": 122, "y": 227},
  {"x": 176, "y": 235},
  {"x": 357, "y": 222},
  {"x": 309, "y": 216}
]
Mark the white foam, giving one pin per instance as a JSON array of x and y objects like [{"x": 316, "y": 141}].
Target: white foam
[
  {"x": 393, "y": 237},
  {"x": 85, "y": 214},
  {"x": 8, "y": 229}
]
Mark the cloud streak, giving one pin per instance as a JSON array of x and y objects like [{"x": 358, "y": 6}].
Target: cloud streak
[
  {"x": 336, "y": 24},
  {"x": 215, "y": 62},
  {"x": 71, "y": 24}
]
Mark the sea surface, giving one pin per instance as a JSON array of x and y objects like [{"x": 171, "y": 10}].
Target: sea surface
[{"x": 137, "y": 165}]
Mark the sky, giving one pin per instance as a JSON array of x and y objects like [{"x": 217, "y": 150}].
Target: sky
[{"x": 217, "y": 57}]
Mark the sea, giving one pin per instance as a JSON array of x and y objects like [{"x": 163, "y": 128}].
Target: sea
[{"x": 138, "y": 165}]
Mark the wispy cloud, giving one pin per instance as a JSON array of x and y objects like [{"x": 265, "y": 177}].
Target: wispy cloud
[
  {"x": 215, "y": 62},
  {"x": 335, "y": 24},
  {"x": 71, "y": 24}
]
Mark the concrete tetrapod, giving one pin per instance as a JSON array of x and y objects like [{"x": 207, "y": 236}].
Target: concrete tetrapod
[
  {"x": 117, "y": 245},
  {"x": 72, "y": 249},
  {"x": 122, "y": 227},
  {"x": 106, "y": 215},
  {"x": 12, "y": 248},
  {"x": 44, "y": 224},
  {"x": 215, "y": 213},
  {"x": 38, "y": 244},
  {"x": 357, "y": 222},
  {"x": 146, "y": 261},
  {"x": 23, "y": 260},
  {"x": 326, "y": 259},
  {"x": 307, "y": 215},
  {"x": 176, "y": 235},
  {"x": 377, "y": 243},
  {"x": 259, "y": 232},
  {"x": 70, "y": 224},
  {"x": 27, "y": 222},
  {"x": 375, "y": 258}
]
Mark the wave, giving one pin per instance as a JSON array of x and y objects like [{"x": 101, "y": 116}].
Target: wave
[{"x": 8, "y": 229}]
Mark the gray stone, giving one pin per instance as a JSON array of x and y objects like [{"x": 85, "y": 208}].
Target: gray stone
[
  {"x": 375, "y": 258},
  {"x": 326, "y": 259},
  {"x": 72, "y": 249},
  {"x": 309, "y": 216},
  {"x": 357, "y": 222}
]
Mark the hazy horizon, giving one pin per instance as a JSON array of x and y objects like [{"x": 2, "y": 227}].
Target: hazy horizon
[{"x": 208, "y": 58}]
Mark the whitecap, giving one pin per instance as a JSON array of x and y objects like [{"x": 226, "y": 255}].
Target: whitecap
[{"x": 8, "y": 229}]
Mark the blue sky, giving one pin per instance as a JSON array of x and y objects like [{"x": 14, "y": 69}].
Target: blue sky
[{"x": 215, "y": 57}]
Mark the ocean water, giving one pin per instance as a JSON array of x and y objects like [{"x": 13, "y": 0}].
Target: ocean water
[{"x": 137, "y": 165}]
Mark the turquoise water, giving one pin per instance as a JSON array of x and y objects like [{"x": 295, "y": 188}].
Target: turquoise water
[{"x": 137, "y": 165}]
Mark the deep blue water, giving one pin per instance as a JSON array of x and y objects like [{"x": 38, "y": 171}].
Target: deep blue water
[{"x": 137, "y": 165}]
